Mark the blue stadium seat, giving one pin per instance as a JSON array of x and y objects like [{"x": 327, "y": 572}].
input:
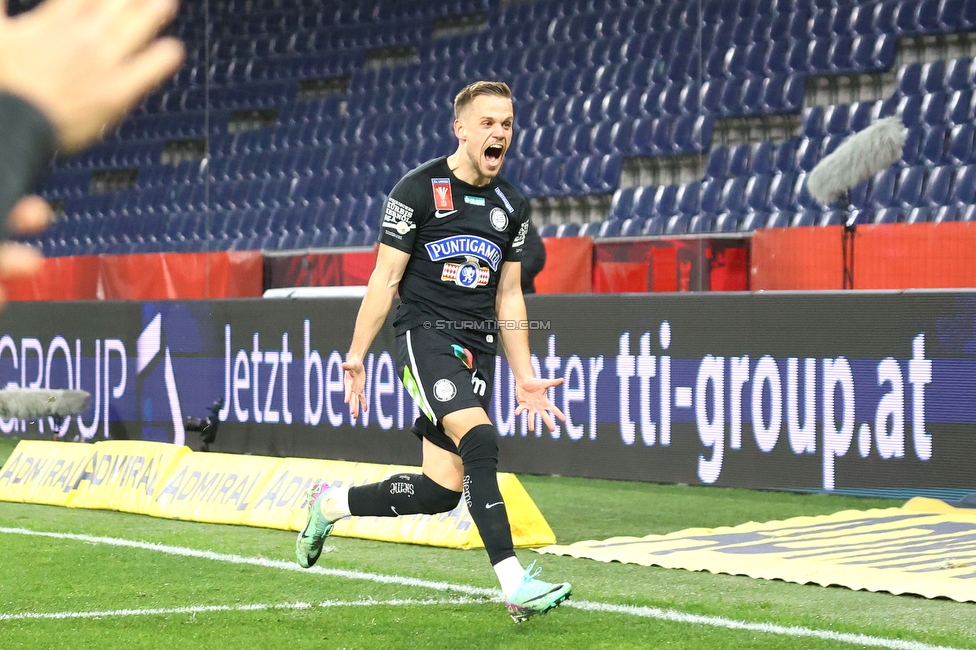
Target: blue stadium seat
[
  {"x": 919, "y": 215},
  {"x": 547, "y": 230},
  {"x": 784, "y": 159},
  {"x": 718, "y": 162},
  {"x": 887, "y": 215},
  {"x": 779, "y": 219},
  {"x": 757, "y": 193},
  {"x": 909, "y": 190},
  {"x": 550, "y": 177},
  {"x": 806, "y": 218},
  {"x": 883, "y": 188},
  {"x": 733, "y": 195},
  {"x": 833, "y": 218},
  {"x": 568, "y": 230},
  {"x": 957, "y": 75},
  {"x": 711, "y": 195},
  {"x": 934, "y": 145},
  {"x": 933, "y": 108},
  {"x": 621, "y": 204},
  {"x": 818, "y": 56},
  {"x": 609, "y": 228},
  {"x": 812, "y": 124},
  {"x": 726, "y": 222},
  {"x": 859, "y": 116},
  {"x": 798, "y": 59},
  {"x": 653, "y": 227},
  {"x": 963, "y": 187},
  {"x": 781, "y": 191},
  {"x": 711, "y": 95},
  {"x": 909, "y": 79},
  {"x": 665, "y": 201},
  {"x": 644, "y": 202},
  {"x": 777, "y": 58},
  {"x": 739, "y": 160},
  {"x": 836, "y": 120},
  {"x": 570, "y": 182},
  {"x": 945, "y": 213},
  {"x": 688, "y": 198},
  {"x": 677, "y": 224},
  {"x": 753, "y": 221},
  {"x": 840, "y": 54},
  {"x": 961, "y": 145},
  {"x": 913, "y": 146},
  {"x": 631, "y": 227},
  {"x": 959, "y": 109},
  {"x": 591, "y": 229},
  {"x": 621, "y": 136},
  {"x": 932, "y": 77}
]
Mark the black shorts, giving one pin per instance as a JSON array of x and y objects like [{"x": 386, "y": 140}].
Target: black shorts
[{"x": 442, "y": 376}]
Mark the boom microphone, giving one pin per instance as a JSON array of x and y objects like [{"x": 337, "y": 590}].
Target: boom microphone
[
  {"x": 860, "y": 156},
  {"x": 31, "y": 403}
]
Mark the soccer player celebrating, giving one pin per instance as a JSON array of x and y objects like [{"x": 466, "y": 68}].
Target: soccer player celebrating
[{"x": 451, "y": 243}]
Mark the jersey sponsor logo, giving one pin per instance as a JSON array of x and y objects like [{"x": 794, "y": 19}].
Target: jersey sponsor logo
[
  {"x": 440, "y": 214},
  {"x": 457, "y": 245},
  {"x": 501, "y": 195},
  {"x": 444, "y": 390},
  {"x": 474, "y": 200},
  {"x": 499, "y": 220},
  {"x": 442, "y": 194},
  {"x": 467, "y": 274},
  {"x": 520, "y": 236}
]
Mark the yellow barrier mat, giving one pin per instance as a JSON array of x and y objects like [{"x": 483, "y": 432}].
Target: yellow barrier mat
[
  {"x": 172, "y": 482},
  {"x": 926, "y": 547}
]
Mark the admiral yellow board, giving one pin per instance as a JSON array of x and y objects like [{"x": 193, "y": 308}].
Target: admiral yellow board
[
  {"x": 172, "y": 482},
  {"x": 926, "y": 547},
  {"x": 279, "y": 506},
  {"x": 42, "y": 471},
  {"x": 213, "y": 488},
  {"x": 123, "y": 475}
]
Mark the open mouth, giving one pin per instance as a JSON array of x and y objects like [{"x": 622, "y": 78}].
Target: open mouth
[{"x": 494, "y": 154}]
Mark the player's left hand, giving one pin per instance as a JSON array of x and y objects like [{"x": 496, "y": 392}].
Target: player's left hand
[
  {"x": 533, "y": 398},
  {"x": 355, "y": 384}
]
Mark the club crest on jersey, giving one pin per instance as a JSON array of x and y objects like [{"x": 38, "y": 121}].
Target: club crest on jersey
[
  {"x": 467, "y": 274},
  {"x": 442, "y": 194},
  {"x": 459, "y": 245},
  {"x": 499, "y": 220}
]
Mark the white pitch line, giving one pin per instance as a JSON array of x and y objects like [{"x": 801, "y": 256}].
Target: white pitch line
[
  {"x": 477, "y": 592},
  {"x": 768, "y": 628},
  {"x": 198, "y": 609}
]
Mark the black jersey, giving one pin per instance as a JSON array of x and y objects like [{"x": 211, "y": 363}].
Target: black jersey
[{"x": 458, "y": 236}]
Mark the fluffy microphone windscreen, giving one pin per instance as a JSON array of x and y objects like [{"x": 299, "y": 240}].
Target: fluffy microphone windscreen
[
  {"x": 860, "y": 156},
  {"x": 30, "y": 404}
]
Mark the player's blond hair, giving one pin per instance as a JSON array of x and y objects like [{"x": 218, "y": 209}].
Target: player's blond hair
[{"x": 469, "y": 92}]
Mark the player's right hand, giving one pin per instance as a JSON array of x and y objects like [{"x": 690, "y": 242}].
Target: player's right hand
[{"x": 355, "y": 382}]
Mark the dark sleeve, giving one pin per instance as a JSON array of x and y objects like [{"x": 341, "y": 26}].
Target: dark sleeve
[
  {"x": 406, "y": 206},
  {"x": 521, "y": 225},
  {"x": 26, "y": 146},
  {"x": 533, "y": 258}
]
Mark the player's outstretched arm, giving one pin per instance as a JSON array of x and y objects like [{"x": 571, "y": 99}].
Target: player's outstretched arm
[
  {"x": 85, "y": 63},
  {"x": 531, "y": 393},
  {"x": 382, "y": 287}
]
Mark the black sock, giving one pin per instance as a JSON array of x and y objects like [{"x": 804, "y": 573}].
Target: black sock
[
  {"x": 402, "y": 494},
  {"x": 479, "y": 453}
]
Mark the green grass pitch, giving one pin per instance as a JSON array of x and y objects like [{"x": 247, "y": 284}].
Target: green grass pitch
[{"x": 66, "y": 591}]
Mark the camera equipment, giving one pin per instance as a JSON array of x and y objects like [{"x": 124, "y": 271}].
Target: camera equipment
[{"x": 206, "y": 426}]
